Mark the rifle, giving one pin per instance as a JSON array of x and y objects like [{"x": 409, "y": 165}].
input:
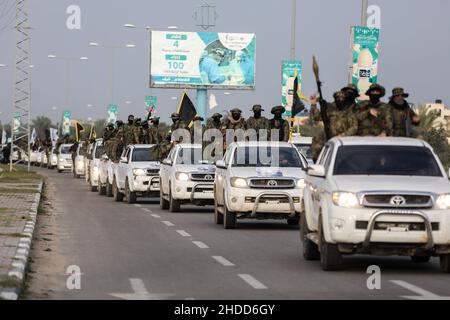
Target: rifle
[{"x": 323, "y": 106}]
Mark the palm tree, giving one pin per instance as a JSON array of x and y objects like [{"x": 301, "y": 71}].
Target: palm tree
[{"x": 41, "y": 124}]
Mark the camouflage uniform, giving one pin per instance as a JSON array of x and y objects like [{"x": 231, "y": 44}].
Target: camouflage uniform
[
  {"x": 402, "y": 115},
  {"x": 278, "y": 123},
  {"x": 156, "y": 135},
  {"x": 214, "y": 122},
  {"x": 137, "y": 132},
  {"x": 257, "y": 122},
  {"x": 368, "y": 125},
  {"x": 343, "y": 122},
  {"x": 231, "y": 124},
  {"x": 197, "y": 125}
]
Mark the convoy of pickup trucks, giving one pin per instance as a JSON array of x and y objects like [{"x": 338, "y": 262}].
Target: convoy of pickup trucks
[{"x": 376, "y": 196}]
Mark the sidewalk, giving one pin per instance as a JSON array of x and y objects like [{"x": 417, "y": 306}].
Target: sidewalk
[{"x": 20, "y": 194}]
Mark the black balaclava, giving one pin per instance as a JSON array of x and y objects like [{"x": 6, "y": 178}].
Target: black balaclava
[
  {"x": 130, "y": 120},
  {"x": 277, "y": 115},
  {"x": 155, "y": 122},
  {"x": 236, "y": 116},
  {"x": 374, "y": 97}
]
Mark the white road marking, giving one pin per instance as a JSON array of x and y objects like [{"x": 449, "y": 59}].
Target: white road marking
[
  {"x": 168, "y": 223},
  {"x": 183, "y": 233},
  {"x": 147, "y": 210},
  {"x": 422, "y": 294},
  {"x": 223, "y": 261},
  {"x": 200, "y": 244},
  {"x": 137, "y": 205},
  {"x": 156, "y": 216},
  {"x": 252, "y": 281},
  {"x": 140, "y": 292}
]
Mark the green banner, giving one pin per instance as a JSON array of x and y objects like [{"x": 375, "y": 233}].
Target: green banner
[
  {"x": 66, "y": 122},
  {"x": 365, "y": 49},
  {"x": 113, "y": 111},
  {"x": 17, "y": 123},
  {"x": 288, "y": 72}
]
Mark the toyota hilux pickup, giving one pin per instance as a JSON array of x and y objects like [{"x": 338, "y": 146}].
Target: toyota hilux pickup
[
  {"x": 64, "y": 158},
  {"x": 259, "y": 180},
  {"x": 137, "y": 174},
  {"x": 376, "y": 196},
  {"x": 94, "y": 154},
  {"x": 106, "y": 176},
  {"x": 78, "y": 166},
  {"x": 186, "y": 178}
]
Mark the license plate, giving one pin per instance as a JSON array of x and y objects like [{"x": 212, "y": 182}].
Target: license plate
[
  {"x": 155, "y": 185},
  {"x": 207, "y": 191},
  {"x": 272, "y": 202}
]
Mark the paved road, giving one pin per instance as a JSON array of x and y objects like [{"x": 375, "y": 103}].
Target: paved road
[{"x": 124, "y": 248}]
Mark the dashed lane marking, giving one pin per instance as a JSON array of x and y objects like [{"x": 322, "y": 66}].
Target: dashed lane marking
[
  {"x": 252, "y": 282},
  {"x": 183, "y": 233},
  {"x": 200, "y": 244},
  {"x": 223, "y": 261},
  {"x": 168, "y": 223}
]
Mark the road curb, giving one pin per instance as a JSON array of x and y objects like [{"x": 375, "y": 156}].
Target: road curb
[{"x": 18, "y": 268}]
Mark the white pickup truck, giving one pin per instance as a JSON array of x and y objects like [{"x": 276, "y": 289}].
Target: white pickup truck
[
  {"x": 378, "y": 196},
  {"x": 64, "y": 158},
  {"x": 78, "y": 169},
  {"x": 94, "y": 154},
  {"x": 106, "y": 176},
  {"x": 53, "y": 159},
  {"x": 186, "y": 178},
  {"x": 259, "y": 180},
  {"x": 137, "y": 174}
]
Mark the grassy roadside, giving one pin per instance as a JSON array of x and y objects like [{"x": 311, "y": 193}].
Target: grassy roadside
[{"x": 19, "y": 175}]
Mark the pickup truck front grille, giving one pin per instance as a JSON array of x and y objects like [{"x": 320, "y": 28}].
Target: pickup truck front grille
[
  {"x": 267, "y": 183},
  {"x": 397, "y": 200},
  {"x": 152, "y": 172},
  {"x": 411, "y": 226},
  {"x": 202, "y": 176}
]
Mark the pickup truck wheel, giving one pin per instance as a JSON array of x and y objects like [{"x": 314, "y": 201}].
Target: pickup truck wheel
[
  {"x": 101, "y": 189},
  {"x": 163, "y": 203},
  {"x": 93, "y": 188},
  {"x": 118, "y": 197},
  {"x": 445, "y": 262},
  {"x": 229, "y": 218},
  {"x": 421, "y": 259},
  {"x": 108, "y": 189},
  {"x": 293, "y": 221},
  {"x": 59, "y": 171},
  {"x": 218, "y": 217},
  {"x": 309, "y": 248},
  {"x": 174, "y": 205},
  {"x": 330, "y": 257},
  {"x": 131, "y": 196}
]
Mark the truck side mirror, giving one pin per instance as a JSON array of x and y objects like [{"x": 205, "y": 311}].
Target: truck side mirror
[
  {"x": 124, "y": 160},
  {"x": 167, "y": 162},
  {"x": 221, "y": 164},
  {"x": 316, "y": 171}
]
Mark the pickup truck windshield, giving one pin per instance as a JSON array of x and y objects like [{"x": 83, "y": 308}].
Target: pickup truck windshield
[
  {"x": 192, "y": 156},
  {"x": 143, "y": 155},
  {"x": 65, "y": 150},
  {"x": 284, "y": 157},
  {"x": 386, "y": 160}
]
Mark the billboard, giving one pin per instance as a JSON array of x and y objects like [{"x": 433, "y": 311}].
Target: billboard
[
  {"x": 289, "y": 69},
  {"x": 364, "y": 55},
  {"x": 202, "y": 59},
  {"x": 66, "y": 122}
]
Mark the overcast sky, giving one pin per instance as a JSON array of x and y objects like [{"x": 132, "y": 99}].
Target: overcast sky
[{"x": 414, "y": 50}]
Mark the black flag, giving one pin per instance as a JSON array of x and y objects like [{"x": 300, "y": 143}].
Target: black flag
[
  {"x": 186, "y": 110},
  {"x": 297, "y": 105},
  {"x": 78, "y": 129}
]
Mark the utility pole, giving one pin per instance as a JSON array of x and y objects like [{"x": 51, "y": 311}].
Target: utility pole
[
  {"x": 293, "y": 26},
  {"x": 364, "y": 7},
  {"x": 21, "y": 97}
]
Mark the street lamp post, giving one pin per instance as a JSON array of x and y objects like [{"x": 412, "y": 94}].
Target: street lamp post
[
  {"x": 67, "y": 61},
  {"x": 364, "y": 7},
  {"x": 112, "y": 50}
]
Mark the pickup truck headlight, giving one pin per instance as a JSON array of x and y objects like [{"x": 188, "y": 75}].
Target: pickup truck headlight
[
  {"x": 238, "y": 183},
  {"x": 301, "y": 183},
  {"x": 139, "y": 172},
  {"x": 345, "y": 199},
  {"x": 443, "y": 202},
  {"x": 182, "y": 176}
]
